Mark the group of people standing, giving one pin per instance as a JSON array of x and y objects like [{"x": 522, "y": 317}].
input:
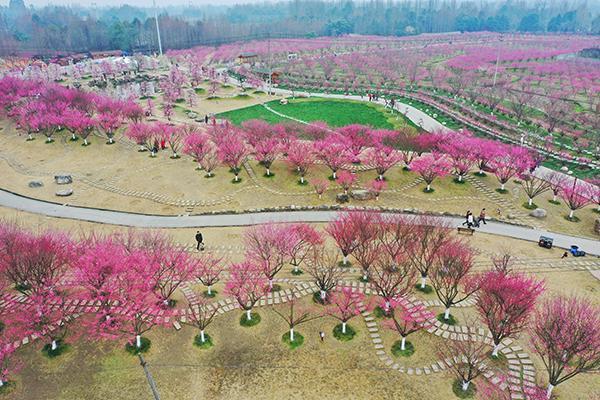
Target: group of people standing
[{"x": 471, "y": 222}]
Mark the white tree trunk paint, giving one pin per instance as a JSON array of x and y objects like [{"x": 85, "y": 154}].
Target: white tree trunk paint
[
  {"x": 202, "y": 339},
  {"x": 268, "y": 172},
  {"x": 152, "y": 154},
  {"x": 387, "y": 305},
  {"x": 174, "y": 154},
  {"x": 447, "y": 313},
  {"x": 236, "y": 177},
  {"x": 209, "y": 290},
  {"x": 85, "y": 141},
  {"x": 110, "y": 140},
  {"x": 496, "y": 350},
  {"x": 291, "y": 334},
  {"x": 365, "y": 277},
  {"x": 248, "y": 314},
  {"x": 554, "y": 198},
  {"x": 323, "y": 294},
  {"x": 380, "y": 177},
  {"x": 302, "y": 179},
  {"x": 571, "y": 214},
  {"x": 138, "y": 341},
  {"x": 465, "y": 385},
  {"x": 423, "y": 282},
  {"x": 30, "y": 137},
  {"x": 320, "y": 196},
  {"x": 54, "y": 345},
  {"x": 403, "y": 344},
  {"x": 48, "y": 139},
  {"x": 428, "y": 187},
  {"x": 344, "y": 327},
  {"x": 296, "y": 268},
  {"x": 73, "y": 136},
  {"x": 1, "y": 383},
  {"x": 334, "y": 175},
  {"x": 345, "y": 260},
  {"x": 530, "y": 201},
  {"x": 460, "y": 178},
  {"x": 549, "y": 390},
  {"x": 502, "y": 187}
]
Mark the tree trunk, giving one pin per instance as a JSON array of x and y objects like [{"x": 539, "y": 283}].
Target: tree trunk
[
  {"x": 54, "y": 345},
  {"x": 465, "y": 385},
  {"x": 530, "y": 202},
  {"x": 380, "y": 177},
  {"x": 334, "y": 175},
  {"x": 549, "y": 390},
  {"x": 460, "y": 178},
  {"x": 403, "y": 344},
  {"x": 429, "y": 187},
  {"x": 447, "y": 313},
  {"x": 496, "y": 350},
  {"x": 323, "y": 294},
  {"x": 291, "y": 334},
  {"x": 302, "y": 180},
  {"x": 571, "y": 214},
  {"x": 138, "y": 341},
  {"x": 320, "y": 196},
  {"x": 249, "y": 314},
  {"x": 344, "y": 327},
  {"x": 110, "y": 140},
  {"x": 202, "y": 339},
  {"x": 85, "y": 142},
  {"x": 423, "y": 282},
  {"x": 502, "y": 187},
  {"x": 236, "y": 177},
  {"x": 296, "y": 268},
  {"x": 73, "y": 136},
  {"x": 174, "y": 154},
  {"x": 209, "y": 290},
  {"x": 30, "y": 136},
  {"x": 345, "y": 260},
  {"x": 271, "y": 285},
  {"x": 554, "y": 198},
  {"x": 387, "y": 306}
]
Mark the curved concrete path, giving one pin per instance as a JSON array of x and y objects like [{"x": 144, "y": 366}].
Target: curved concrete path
[{"x": 12, "y": 200}]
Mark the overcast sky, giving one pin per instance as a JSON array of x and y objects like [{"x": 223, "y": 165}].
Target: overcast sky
[{"x": 143, "y": 3}]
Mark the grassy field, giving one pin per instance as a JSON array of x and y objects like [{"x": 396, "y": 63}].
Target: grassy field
[{"x": 335, "y": 113}]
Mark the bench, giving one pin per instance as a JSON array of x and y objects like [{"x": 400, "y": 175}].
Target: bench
[{"x": 465, "y": 231}]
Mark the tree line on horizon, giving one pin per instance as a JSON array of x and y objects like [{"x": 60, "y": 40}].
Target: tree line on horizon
[{"x": 63, "y": 29}]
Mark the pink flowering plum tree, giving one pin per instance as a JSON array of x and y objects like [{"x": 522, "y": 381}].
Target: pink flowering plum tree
[{"x": 430, "y": 167}]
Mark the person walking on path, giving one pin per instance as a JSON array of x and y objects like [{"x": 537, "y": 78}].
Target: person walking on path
[
  {"x": 200, "y": 241},
  {"x": 467, "y": 217},
  {"x": 482, "y": 217},
  {"x": 470, "y": 220},
  {"x": 206, "y": 119}
]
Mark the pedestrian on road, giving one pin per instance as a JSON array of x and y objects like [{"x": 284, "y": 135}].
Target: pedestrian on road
[
  {"x": 200, "y": 241},
  {"x": 482, "y": 217},
  {"x": 206, "y": 118},
  {"x": 467, "y": 218},
  {"x": 565, "y": 255},
  {"x": 470, "y": 220},
  {"x": 322, "y": 335}
]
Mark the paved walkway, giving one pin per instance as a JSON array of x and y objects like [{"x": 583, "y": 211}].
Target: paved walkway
[{"x": 112, "y": 217}]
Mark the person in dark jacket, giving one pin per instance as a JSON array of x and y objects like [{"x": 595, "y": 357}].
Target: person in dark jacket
[{"x": 200, "y": 241}]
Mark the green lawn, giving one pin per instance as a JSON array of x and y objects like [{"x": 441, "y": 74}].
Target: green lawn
[{"x": 336, "y": 113}]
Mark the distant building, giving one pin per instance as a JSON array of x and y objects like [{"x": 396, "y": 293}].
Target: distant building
[{"x": 247, "y": 58}]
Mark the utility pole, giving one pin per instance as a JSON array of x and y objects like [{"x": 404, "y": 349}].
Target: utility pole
[
  {"x": 497, "y": 61},
  {"x": 157, "y": 28},
  {"x": 149, "y": 377}
]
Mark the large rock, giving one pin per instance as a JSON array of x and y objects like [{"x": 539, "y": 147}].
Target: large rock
[
  {"x": 35, "y": 184},
  {"x": 64, "y": 193},
  {"x": 63, "y": 179},
  {"x": 597, "y": 226},
  {"x": 342, "y": 198},
  {"x": 361, "y": 194},
  {"x": 538, "y": 213}
]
